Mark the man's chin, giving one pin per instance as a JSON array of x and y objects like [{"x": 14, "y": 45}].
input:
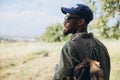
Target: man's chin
[{"x": 66, "y": 33}]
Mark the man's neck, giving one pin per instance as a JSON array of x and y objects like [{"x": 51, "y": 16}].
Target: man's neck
[{"x": 82, "y": 28}]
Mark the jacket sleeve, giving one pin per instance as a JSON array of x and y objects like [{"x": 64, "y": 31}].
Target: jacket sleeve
[{"x": 68, "y": 59}]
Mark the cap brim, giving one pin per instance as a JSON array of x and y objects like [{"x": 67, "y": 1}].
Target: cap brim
[{"x": 67, "y": 10}]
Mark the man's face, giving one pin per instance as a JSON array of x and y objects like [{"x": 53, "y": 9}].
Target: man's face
[{"x": 70, "y": 24}]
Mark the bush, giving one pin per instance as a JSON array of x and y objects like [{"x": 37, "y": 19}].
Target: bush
[{"x": 54, "y": 33}]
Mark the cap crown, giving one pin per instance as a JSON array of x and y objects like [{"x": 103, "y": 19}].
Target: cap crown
[{"x": 81, "y": 10}]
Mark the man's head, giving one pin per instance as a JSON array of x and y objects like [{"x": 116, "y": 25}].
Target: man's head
[{"x": 77, "y": 16}]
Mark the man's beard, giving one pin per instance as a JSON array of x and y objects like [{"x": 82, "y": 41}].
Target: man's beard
[
  {"x": 71, "y": 30},
  {"x": 66, "y": 32}
]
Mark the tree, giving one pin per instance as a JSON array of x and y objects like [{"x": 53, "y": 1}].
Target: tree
[
  {"x": 108, "y": 23},
  {"x": 54, "y": 33}
]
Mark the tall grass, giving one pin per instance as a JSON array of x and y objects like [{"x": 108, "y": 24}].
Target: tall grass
[{"x": 37, "y": 60}]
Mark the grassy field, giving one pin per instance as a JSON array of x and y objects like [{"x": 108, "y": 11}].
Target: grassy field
[{"x": 36, "y": 61}]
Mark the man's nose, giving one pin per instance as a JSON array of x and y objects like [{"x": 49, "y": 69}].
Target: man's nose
[{"x": 65, "y": 22}]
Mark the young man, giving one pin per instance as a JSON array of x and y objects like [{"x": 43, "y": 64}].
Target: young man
[{"x": 76, "y": 22}]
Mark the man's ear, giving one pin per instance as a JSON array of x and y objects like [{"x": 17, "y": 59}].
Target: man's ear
[{"x": 81, "y": 21}]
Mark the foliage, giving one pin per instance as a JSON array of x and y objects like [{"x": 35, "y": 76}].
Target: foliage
[
  {"x": 109, "y": 13},
  {"x": 54, "y": 33}
]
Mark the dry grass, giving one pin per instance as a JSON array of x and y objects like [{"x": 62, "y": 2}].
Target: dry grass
[
  {"x": 36, "y": 61},
  {"x": 114, "y": 50}
]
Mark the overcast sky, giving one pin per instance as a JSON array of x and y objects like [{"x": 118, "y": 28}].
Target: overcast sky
[{"x": 31, "y": 17}]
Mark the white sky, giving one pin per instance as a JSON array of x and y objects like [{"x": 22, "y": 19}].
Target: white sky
[{"x": 31, "y": 17}]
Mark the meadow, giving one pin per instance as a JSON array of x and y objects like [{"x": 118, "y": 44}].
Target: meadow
[{"x": 37, "y": 60}]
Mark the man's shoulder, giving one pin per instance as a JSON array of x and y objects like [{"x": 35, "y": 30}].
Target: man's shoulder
[
  {"x": 99, "y": 42},
  {"x": 69, "y": 45}
]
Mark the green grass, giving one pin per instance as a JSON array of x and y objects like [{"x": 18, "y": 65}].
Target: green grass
[{"x": 36, "y": 61}]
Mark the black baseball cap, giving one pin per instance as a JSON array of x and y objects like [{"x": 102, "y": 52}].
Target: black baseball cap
[{"x": 81, "y": 10}]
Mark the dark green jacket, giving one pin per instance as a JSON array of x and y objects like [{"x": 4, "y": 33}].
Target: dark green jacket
[{"x": 69, "y": 56}]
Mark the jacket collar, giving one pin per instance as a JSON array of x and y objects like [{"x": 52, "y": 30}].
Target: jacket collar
[{"x": 83, "y": 35}]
